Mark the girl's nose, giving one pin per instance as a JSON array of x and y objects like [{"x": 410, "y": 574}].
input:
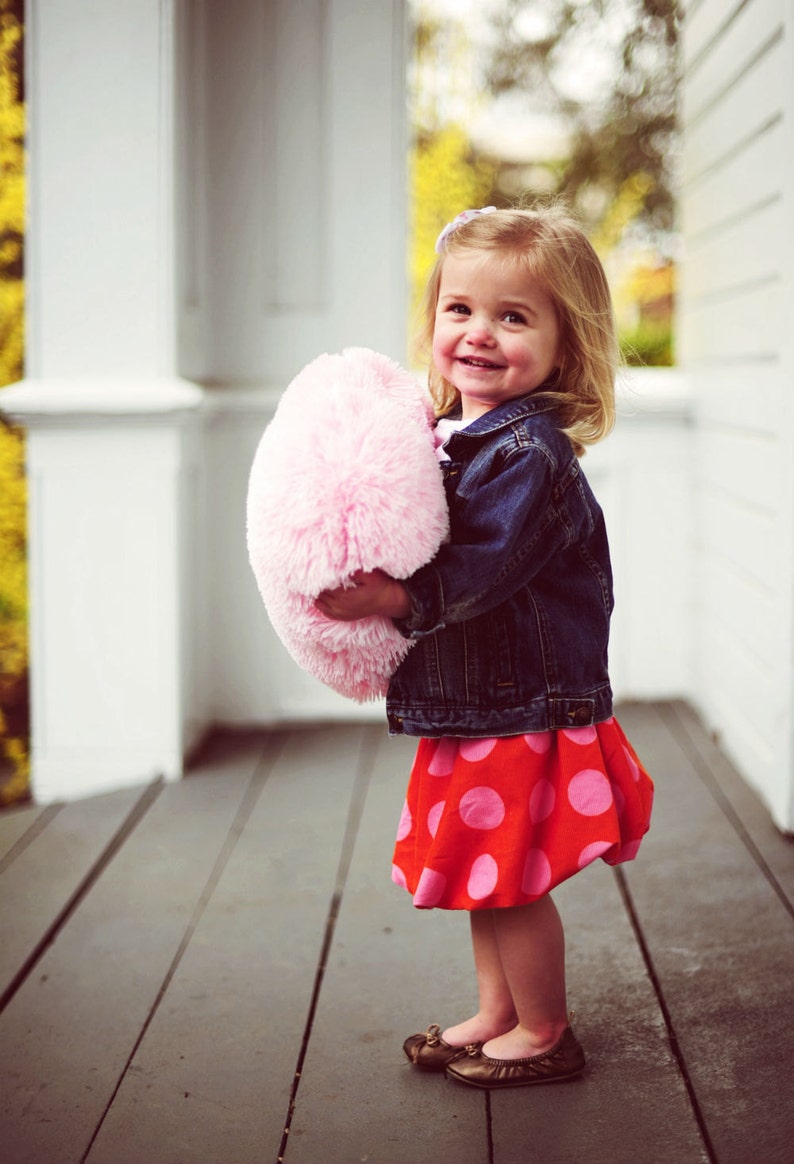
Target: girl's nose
[{"x": 479, "y": 333}]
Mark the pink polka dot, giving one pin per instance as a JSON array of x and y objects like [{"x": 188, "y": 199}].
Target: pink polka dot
[
  {"x": 444, "y": 757},
  {"x": 539, "y": 742},
  {"x": 434, "y": 817},
  {"x": 483, "y": 877},
  {"x": 537, "y": 873},
  {"x": 541, "y": 801},
  {"x": 430, "y": 889},
  {"x": 589, "y": 792},
  {"x": 406, "y": 823},
  {"x": 482, "y": 808},
  {"x": 632, "y": 764},
  {"x": 474, "y": 750},
  {"x": 398, "y": 877},
  {"x": 591, "y": 852},
  {"x": 582, "y": 735}
]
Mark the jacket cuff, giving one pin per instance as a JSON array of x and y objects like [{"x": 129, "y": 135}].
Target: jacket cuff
[{"x": 427, "y": 605}]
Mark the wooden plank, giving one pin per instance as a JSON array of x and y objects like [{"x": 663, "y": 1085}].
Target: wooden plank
[
  {"x": 68, "y": 1034},
  {"x": 37, "y": 885},
  {"x": 214, "y": 1073},
  {"x": 757, "y": 744},
  {"x": 392, "y": 971},
  {"x": 235, "y": 988},
  {"x": 755, "y": 734},
  {"x": 775, "y": 850},
  {"x": 15, "y": 823},
  {"x": 631, "y": 1096},
  {"x": 722, "y": 945}
]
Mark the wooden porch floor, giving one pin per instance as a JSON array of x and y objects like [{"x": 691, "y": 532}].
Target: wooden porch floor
[{"x": 188, "y": 970}]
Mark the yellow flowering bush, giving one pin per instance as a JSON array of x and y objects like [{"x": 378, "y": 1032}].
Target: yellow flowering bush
[
  {"x": 445, "y": 179},
  {"x": 14, "y": 763},
  {"x": 445, "y": 173}
]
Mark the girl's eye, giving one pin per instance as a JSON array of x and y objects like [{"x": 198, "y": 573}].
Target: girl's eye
[
  {"x": 459, "y": 308},
  {"x": 513, "y": 317}
]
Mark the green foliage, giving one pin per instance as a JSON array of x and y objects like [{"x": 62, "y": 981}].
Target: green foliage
[{"x": 649, "y": 345}]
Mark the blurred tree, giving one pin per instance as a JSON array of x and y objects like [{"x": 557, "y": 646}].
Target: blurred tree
[
  {"x": 13, "y": 565},
  {"x": 610, "y": 70},
  {"x": 601, "y": 76}
]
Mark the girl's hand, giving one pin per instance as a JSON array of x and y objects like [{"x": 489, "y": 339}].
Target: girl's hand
[{"x": 374, "y": 592}]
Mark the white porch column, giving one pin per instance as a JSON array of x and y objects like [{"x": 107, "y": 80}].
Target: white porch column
[{"x": 112, "y": 441}]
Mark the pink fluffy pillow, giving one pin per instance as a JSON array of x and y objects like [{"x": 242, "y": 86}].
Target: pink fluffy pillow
[{"x": 345, "y": 478}]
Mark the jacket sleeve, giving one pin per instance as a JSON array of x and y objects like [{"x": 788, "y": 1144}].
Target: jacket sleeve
[{"x": 503, "y": 531}]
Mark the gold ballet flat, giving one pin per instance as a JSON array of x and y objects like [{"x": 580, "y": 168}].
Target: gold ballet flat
[
  {"x": 562, "y": 1061},
  {"x": 429, "y": 1052}
]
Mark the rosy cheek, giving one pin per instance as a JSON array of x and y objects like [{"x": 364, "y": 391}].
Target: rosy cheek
[{"x": 439, "y": 348}]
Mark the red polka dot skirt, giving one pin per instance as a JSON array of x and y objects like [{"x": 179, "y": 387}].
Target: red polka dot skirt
[{"x": 490, "y": 823}]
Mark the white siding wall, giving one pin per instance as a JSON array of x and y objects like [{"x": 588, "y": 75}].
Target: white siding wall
[{"x": 737, "y": 213}]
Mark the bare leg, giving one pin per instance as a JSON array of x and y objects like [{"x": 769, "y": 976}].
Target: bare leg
[
  {"x": 497, "y": 1013},
  {"x": 531, "y": 948}
]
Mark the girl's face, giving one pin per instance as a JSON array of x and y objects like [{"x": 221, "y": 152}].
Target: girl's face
[{"x": 496, "y": 333}]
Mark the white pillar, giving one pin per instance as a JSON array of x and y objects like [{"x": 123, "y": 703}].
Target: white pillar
[
  {"x": 112, "y": 442},
  {"x": 276, "y": 127}
]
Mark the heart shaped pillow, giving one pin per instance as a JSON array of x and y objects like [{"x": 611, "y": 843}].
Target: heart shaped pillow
[{"x": 344, "y": 478}]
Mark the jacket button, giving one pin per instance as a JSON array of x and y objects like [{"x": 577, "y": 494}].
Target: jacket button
[{"x": 579, "y": 715}]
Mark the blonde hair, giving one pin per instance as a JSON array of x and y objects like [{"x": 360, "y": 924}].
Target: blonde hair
[{"x": 550, "y": 247}]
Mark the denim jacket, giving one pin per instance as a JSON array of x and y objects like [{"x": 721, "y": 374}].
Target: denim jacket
[{"x": 511, "y": 617}]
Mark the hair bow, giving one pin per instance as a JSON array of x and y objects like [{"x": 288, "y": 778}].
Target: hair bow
[{"x": 464, "y": 216}]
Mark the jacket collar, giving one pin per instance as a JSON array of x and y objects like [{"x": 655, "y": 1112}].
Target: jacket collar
[{"x": 506, "y": 414}]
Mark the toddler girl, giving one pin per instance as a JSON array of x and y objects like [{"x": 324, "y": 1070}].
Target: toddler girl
[{"x": 522, "y": 775}]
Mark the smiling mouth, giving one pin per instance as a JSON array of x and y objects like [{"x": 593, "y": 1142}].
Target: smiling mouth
[{"x": 471, "y": 362}]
